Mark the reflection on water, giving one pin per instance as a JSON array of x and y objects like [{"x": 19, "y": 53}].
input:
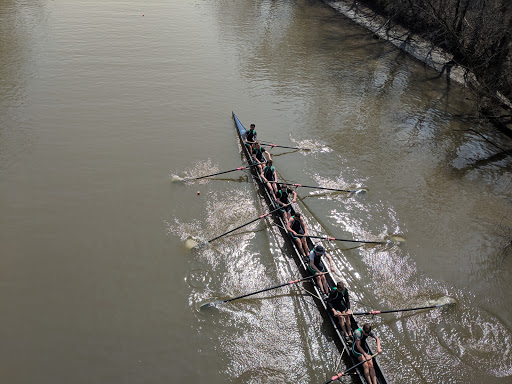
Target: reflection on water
[{"x": 267, "y": 331}]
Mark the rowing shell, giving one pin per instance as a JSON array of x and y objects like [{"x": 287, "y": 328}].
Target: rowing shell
[{"x": 301, "y": 262}]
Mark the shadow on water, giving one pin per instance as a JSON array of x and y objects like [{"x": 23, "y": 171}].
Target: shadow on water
[{"x": 241, "y": 179}]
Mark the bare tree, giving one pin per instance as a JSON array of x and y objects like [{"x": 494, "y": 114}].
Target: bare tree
[{"x": 478, "y": 33}]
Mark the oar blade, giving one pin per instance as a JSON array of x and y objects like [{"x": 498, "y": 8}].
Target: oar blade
[
  {"x": 359, "y": 191},
  {"x": 446, "y": 301},
  {"x": 213, "y": 304},
  {"x": 397, "y": 239},
  {"x": 177, "y": 179},
  {"x": 192, "y": 244}
]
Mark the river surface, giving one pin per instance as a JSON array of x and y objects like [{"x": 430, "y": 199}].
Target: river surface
[{"x": 103, "y": 102}]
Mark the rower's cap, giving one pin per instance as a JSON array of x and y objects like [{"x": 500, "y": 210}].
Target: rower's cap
[{"x": 320, "y": 250}]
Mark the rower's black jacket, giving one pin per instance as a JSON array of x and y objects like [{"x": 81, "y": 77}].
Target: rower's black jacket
[{"x": 338, "y": 300}]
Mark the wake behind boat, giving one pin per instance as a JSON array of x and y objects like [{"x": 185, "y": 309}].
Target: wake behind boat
[{"x": 341, "y": 343}]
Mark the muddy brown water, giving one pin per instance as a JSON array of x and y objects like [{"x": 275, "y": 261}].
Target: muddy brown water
[{"x": 102, "y": 102}]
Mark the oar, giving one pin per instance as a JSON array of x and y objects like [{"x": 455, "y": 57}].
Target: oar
[
  {"x": 265, "y": 144},
  {"x": 325, "y": 188},
  {"x": 349, "y": 241},
  {"x": 402, "y": 310},
  {"x": 328, "y": 189},
  {"x": 339, "y": 375},
  {"x": 213, "y": 304},
  {"x": 177, "y": 178},
  {"x": 234, "y": 229}
]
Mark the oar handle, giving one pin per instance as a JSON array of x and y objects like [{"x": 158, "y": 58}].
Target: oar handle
[
  {"x": 339, "y": 375},
  {"x": 304, "y": 278}
]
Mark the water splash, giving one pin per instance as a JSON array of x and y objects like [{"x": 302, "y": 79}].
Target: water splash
[
  {"x": 201, "y": 168},
  {"x": 338, "y": 183},
  {"x": 225, "y": 211},
  {"x": 313, "y": 146}
]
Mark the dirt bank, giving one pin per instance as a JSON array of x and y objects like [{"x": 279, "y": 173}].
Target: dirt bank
[{"x": 414, "y": 45}]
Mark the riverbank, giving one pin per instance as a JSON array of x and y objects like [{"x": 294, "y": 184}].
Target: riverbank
[
  {"x": 423, "y": 50},
  {"x": 402, "y": 38}
]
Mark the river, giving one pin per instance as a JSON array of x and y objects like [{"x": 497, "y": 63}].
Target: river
[{"x": 103, "y": 102}]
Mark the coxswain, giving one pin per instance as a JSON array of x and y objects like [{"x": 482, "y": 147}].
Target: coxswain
[
  {"x": 361, "y": 351},
  {"x": 316, "y": 266},
  {"x": 250, "y": 137},
  {"x": 268, "y": 174},
  {"x": 257, "y": 155},
  {"x": 298, "y": 231},
  {"x": 339, "y": 303},
  {"x": 283, "y": 198}
]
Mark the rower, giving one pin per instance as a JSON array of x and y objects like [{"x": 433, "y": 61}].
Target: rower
[
  {"x": 268, "y": 174},
  {"x": 298, "y": 231},
  {"x": 282, "y": 198},
  {"x": 361, "y": 351},
  {"x": 316, "y": 266},
  {"x": 257, "y": 155},
  {"x": 250, "y": 137},
  {"x": 339, "y": 303}
]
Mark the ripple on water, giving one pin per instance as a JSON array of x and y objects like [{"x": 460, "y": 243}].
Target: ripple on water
[
  {"x": 435, "y": 340},
  {"x": 480, "y": 340},
  {"x": 462, "y": 339},
  {"x": 198, "y": 278}
]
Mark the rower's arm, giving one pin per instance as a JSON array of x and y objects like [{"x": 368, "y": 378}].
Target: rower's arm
[
  {"x": 289, "y": 227},
  {"x": 379, "y": 350},
  {"x": 330, "y": 260},
  {"x": 304, "y": 226},
  {"x": 294, "y": 199}
]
